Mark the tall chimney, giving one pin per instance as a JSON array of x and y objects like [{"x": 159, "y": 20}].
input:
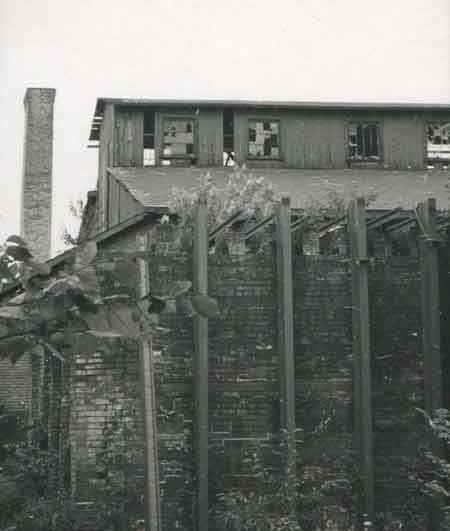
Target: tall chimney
[{"x": 36, "y": 215}]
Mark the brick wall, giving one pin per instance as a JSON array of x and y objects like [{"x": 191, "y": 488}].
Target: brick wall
[
  {"x": 15, "y": 388},
  {"x": 243, "y": 381}
]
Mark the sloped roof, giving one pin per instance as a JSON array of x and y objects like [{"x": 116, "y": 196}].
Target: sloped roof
[{"x": 152, "y": 186}]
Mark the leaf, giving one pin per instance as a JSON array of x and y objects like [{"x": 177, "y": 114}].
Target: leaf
[
  {"x": 206, "y": 306},
  {"x": 58, "y": 286},
  {"x": 17, "y": 240},
  {"x": 177, "y": 289},
  {"x": 116, "y": 317},
  {"x": 58, "y": 339},
  {"x": 81, "y": 300},
  {"x": 12, "y": 312},
  {"x": 21, "y": 254},
  {"x": 107, "y": 334},
  {"x": 15, "y": 347},
  {"x": 156, "y": 304},
  {"x": 85, "y": 254},
  {"x": 39, "y": 267},
  {"x": 53, "y": 351},
  {"x": 185, "y": 307},
  {"x": 5, "y": 272}
]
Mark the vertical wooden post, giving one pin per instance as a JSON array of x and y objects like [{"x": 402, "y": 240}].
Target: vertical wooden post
[
  {"x": 431, "y": 315},
  {"x": 152, "y": 497},
  {"x": 431, "y": 325},
  {"x": 286, "y": 335},
  {"x": 200, "y": 285},
  {"x": 361, "y": 355}
]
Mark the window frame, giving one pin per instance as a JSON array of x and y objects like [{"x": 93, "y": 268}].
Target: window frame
[
  {"x": 365, "y": 158},
  {"x": 263, "y": 119},
  {"x": 430, "y": 159},
  {"x": 188, "y": 157}
]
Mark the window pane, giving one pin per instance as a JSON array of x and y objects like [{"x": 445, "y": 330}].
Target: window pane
[
  {"x": 363, "y": 140},
  {"x": 438, "y": 147},
  {"x": 178, "y": 138},
  {"x": 263, "y": 139}
]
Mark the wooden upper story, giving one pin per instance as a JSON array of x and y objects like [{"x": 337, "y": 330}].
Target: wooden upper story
[{"x": 269, "y": 134}]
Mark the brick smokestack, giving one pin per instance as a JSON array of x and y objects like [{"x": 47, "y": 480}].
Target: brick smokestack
[{"x": 36, "y": 215}]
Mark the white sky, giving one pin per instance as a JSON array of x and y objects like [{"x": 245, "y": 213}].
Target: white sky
[{"x": 344, "y": 50}]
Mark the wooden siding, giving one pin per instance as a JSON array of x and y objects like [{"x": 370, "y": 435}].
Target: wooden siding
[
  {"x": 404, "y": 143},
  {"x": 121, "y": 204},
  {"x": 318, "y": 140},
  {"x": 105, "y": 160},
  {"x": 309, "y": 139},
  {"x": 210, "y": 138},
  {"x": 129, "y": 137},
  {"x": 208, "y": 134}
]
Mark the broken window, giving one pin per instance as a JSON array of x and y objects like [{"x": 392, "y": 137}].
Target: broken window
[
  {"x": 149, "y": 138},
  {"x": 228, "y": 137},
  {"x": 264, "y": 139},
  {"x": 178, "y": 138},
  {"x": 364, "y": 141},
  {"x": 438, "y": 142}
]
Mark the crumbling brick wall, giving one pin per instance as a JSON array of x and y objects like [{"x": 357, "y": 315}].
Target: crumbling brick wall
[{"x": 243, "y": 380}]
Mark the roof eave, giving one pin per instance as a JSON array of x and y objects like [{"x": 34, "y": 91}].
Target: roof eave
[{"x": 262, "y": 104}]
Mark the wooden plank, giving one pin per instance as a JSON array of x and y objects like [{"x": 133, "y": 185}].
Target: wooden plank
[
  {"x": 105, "y": 160},
  {"x": 286, "y": 337},
  {"x": 152, "y": 487},
  {"x": 363, "y": 435},
  {"x": 431, "y": 336},
  {"x": 431, "y": 333},
  {"x": 138, "y": 138},
  {"x": 258, "y": 227},
  {"x": 222, "y": 226},
  {"x": 200, "y": 285},
  {"x": 210, "y": 137}
]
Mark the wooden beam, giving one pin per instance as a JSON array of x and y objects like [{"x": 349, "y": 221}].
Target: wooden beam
[
  {"x": 200, "y": 285},
  {"x": 258, "y": 227},
  {"x": 286, "y": 337},
  {"x": 385, "y": 218},
  {"x": 299, "y": 224},
  {"x": 152, "y": 498},
  {"x": 363, "y": 436},
  {"x": 431, "y": 318},
  {"x": 220, "y": 228}
]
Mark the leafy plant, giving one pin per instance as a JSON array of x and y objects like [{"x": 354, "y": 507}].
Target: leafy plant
[
  {"x": 54, "y": 315},
  {"x": 119, "y": 490},
  {"x": 248, "y": 197},
  {"x": 434, "y": 474}
]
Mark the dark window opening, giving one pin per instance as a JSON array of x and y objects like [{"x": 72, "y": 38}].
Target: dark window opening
[
  {"x": 364, "y": 141},
  {"x": 228, "y": 137},
  {"x": 438, "y": 142},
  {"x": 263, "y": 139},
  {"x": 149, "y": 138}
]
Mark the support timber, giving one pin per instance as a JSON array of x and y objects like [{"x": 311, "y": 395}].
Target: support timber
[
  {"x": 286, "y": 336},
  {"x": 363, "y": 437},
  {"x": 152, "y": 498},
  {"x": 200, "y": 285},
  {"x": 431, "y": 314}
]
